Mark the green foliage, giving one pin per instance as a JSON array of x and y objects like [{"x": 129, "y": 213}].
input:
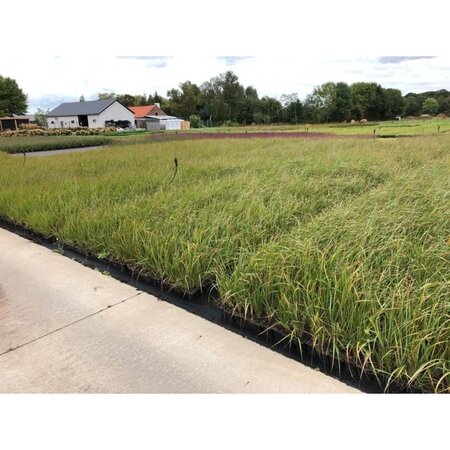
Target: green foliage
[
  {"x": 442, "y": 96},
  {"x": 40, "y": 117},
  {"x": 39, "y": 143},
  {"x": 196, "y": 121},
  {"x": 272, "y": 109},
  {"x": 155, "y": 98},
  {"x": 293, "y": 110},
  {"x": 342, "y": 242},
  {"x": 394, "y": 103},
  {"x": 341, "y": 103},
  {"x": 12, "y": 98},
  {"x": 430, "y": 106},
  {"x": 250, "y": 106},
  {"x": 221, "y": 98},
  {"x": 261, "y": 118},
  {"x": 224, "y": 99},
  {"x": 411, "y": 106},
  {"x": 444, "y": 104},
  {"x": 330, "y": 102},
  {"x": 185, "y": 101},
  {"x": 126, "y": 99},
  {"x": 368, "y": 101},
  {"x": 106, "y": 95}
]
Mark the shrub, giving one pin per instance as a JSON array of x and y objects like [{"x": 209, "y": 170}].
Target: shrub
[
  {"x": 39, "y": 131},
  {"x": 195, "y": 120},
  {"x": 38, "y": 143}
]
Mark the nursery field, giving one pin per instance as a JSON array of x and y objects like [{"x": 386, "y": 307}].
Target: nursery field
[
  {"x": 19, "y": 144},
  {"x": 344, "y": 243},
  {"x": 38, "y": 143},
  {"x": 406, "y": 127}
]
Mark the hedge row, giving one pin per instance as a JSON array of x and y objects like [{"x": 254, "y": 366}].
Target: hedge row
[
  {"x": 38, "y": 143},
  {"x": 81, "y": 131}
]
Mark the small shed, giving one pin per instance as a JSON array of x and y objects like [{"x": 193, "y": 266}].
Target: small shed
[
  {"x": 13, "y": 122},
  {"x": 163, "y": 123}
]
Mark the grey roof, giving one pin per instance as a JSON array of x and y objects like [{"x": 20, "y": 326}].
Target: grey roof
[{"x": 81, "y": 108}]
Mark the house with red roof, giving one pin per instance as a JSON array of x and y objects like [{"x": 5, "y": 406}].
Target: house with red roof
[{"x": 140, "y": 113}]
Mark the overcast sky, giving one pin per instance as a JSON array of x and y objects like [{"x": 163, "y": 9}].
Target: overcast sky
[{"x": 67, "y": 78}]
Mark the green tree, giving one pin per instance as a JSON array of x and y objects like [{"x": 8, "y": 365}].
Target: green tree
[
  {"x": 271, "y": 109},
  {"x": 195, "y": 120},
  {"x": 251, "y": 92},
  {"x": 341, "y": 103},
  {"x": 222, "y": 98},
  {"x": 12, "y": 98},
  {"x": 411, "y": 105},
  {"x": 292, "y": 108},
  {"x": 368, "y": 101},
  {"x": 40, "y": 117},
  {"x": 430, "y": 106},
  {"x": 318, "y": 103},
  {"x": 140, "y": 100},
  {"x": 155, "y": 98},
  {"x": 329, "y": 102},
  {"x": 214, "y": 109},
  {"x": 186, "y": 101},
  {"x": 233, "y": 94},
  {"x": 444, "y": 104},
  {"x": 394, "y": 102},
  {"x": 261, "y": 118},
  {"x": 126, "y": 99},
  {"x": 106, "y": 95},
  {"x": 312, "y": 109},
  {"x": 250, "y": 105}
]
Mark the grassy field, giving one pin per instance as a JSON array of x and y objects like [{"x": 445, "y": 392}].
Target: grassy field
[
  {"x": 427, "y": 127},
  {"x": 344, "y": 243},
  {"x": 406, "y": 127}
]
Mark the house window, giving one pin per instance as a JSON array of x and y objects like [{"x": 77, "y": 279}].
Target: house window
[
  {"x": 73, "y": 121},
  {"x": 94, "y": 120},
  {"x": 53, "y": 123}
]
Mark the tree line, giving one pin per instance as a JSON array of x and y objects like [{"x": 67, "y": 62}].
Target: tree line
[{"x": 223, "y": 100}]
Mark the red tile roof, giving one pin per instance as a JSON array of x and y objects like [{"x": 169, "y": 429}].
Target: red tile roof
[{"x": 141, "y": 111}]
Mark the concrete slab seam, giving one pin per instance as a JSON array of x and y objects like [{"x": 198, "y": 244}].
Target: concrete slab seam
[{"x": 71, "y": 323}]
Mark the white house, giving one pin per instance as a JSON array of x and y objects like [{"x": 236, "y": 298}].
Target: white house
[{"x": 92, "y": 114}]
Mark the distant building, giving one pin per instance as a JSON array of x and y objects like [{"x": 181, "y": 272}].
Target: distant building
[
  {"x": 140, "y": 112},
  {"x": 164, "y": 123},
  {"x": 13, "y": 122},
  {"x": 92, "y": 114}
]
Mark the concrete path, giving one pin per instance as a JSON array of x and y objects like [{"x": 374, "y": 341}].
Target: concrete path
[
  {"x": 67, "y": 328},
  {"x": 57, "y": 152}
]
